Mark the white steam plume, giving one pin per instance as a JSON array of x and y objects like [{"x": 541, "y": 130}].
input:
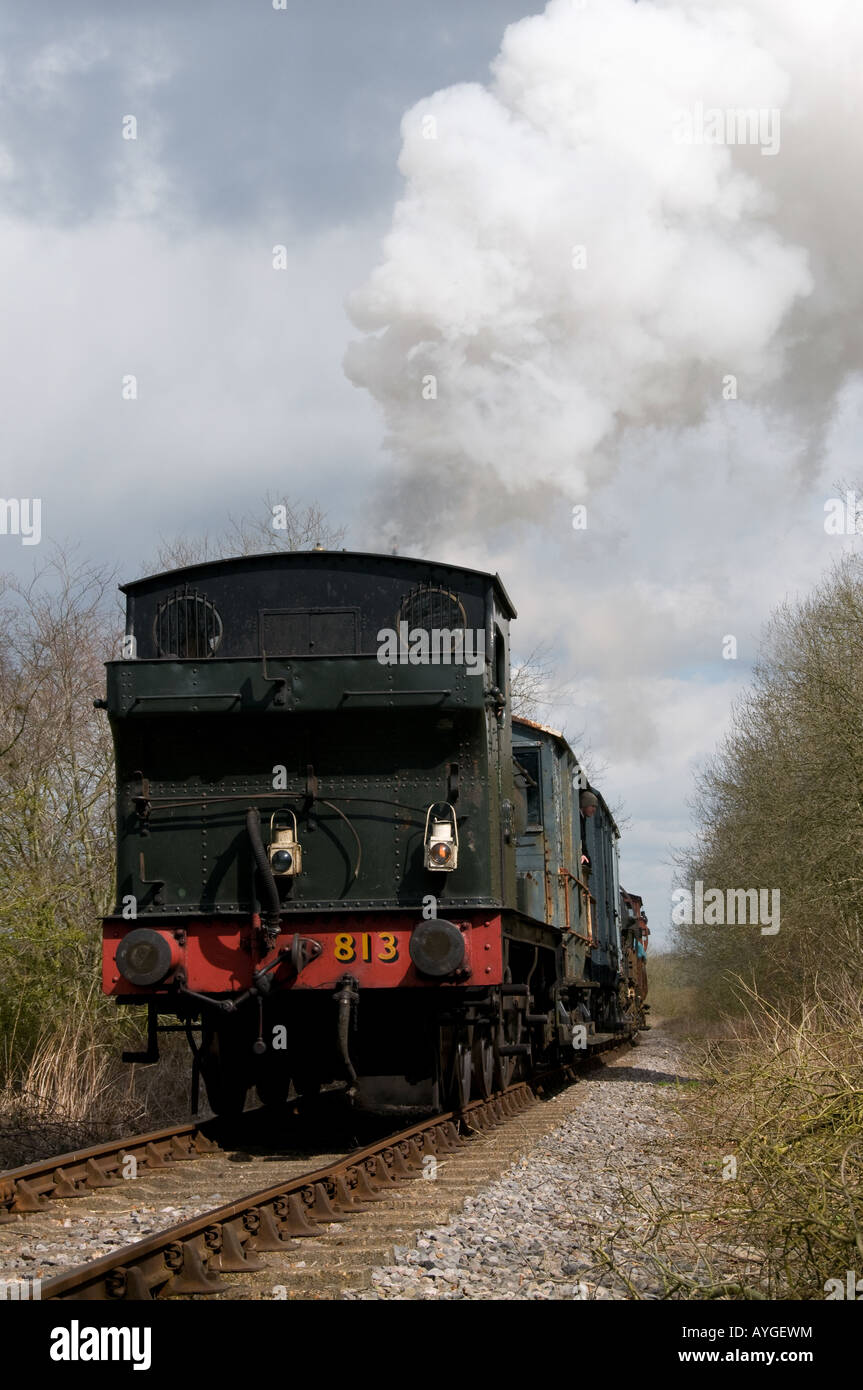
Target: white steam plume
[{"x": 702, "y": 260}]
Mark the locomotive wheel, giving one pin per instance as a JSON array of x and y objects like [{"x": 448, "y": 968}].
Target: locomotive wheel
[
  {"x": 462, "y": 1074},
  {"x": 483, "y": 1062},
  {"x": 456, "y": 1065},
  {"x": 507, "y": 1033},
  {"x": 307, "y": 1087},
  {"x": 273, "y": 1089},
  {"x": 225, "y": 1079},
  {"x": 272, "y": 1077}
]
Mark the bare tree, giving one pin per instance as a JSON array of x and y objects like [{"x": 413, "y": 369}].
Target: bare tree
[
  {"x": 277, "y": 526},
  {"x": 780, "y": 806},
  {"x": 534, "y": 687},
  {"x": 56, "y": 785}
]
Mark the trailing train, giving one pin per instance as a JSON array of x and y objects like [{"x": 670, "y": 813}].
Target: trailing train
[{"x": 341, "y": 862}]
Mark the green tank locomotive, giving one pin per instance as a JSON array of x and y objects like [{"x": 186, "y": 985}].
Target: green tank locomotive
[{"x": 321, "y": 833}]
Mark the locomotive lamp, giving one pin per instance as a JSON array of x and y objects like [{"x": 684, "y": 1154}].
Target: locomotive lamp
[
  {"x": 285, "y": 853},
  {"x": 441, "y": 838}
]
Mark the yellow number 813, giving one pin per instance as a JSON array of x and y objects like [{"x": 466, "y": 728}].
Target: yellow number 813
[{"x": 345, "y": 947}]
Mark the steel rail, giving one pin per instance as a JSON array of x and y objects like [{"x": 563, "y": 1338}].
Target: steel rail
[
  {"x": 29, "y": 1188},
  {"x": 191, "y": 1257}
]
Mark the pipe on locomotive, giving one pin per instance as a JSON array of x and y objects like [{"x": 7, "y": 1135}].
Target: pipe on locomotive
[
  {"x": 346, "y": 996},
  {"x": 274, "y": 910}
]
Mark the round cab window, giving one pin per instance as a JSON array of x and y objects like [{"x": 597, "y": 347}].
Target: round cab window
[
  {"x": 432, "y": 608},
  {"x": 187, "y": 625}
]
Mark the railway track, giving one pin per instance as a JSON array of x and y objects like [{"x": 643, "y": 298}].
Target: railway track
[
  {"x": 350, "y": 1192},
  {"x": 191, "y": 1257},
  {"x": 30, "y": 1188}
]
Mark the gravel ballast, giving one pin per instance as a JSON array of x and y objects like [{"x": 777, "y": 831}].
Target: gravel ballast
[{"x": 562, "y": 1222}]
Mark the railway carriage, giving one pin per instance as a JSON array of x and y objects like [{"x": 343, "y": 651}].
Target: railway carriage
[
  {"x": 634, "y": 933},
  {"x": 567, "y": 874},
  {"x": 339, "y": 860}
]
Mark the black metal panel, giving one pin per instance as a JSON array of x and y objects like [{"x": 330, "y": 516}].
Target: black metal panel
[
  {"x": 310, "y": 631},
  {"x": 381, "y": 590}
]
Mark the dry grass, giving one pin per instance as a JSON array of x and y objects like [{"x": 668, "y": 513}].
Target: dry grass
[
  {"x": 784, "y": 1101},
  {"x": 672, "y": 996},
  {"x": 73, "y": 1091},
  {"x": 789, "y": 1106}
]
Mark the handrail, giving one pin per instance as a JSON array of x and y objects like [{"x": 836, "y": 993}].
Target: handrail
[
  {"x": 179, "y": 695},
  {"x": 387, "y": 691}
]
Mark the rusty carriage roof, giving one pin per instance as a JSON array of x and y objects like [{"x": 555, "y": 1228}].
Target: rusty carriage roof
[{"x": 560, "y": 739}]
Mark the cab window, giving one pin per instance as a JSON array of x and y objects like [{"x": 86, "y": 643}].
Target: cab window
[{"x": 527, "y": 771}]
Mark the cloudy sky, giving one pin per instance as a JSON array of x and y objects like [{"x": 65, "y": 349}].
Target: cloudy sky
[{"x": 534, "y": 261}]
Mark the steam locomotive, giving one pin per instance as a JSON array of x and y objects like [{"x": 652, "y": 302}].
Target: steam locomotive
[{"x": 340, "y": 861}]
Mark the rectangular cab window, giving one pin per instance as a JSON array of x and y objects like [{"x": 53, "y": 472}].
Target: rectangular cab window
[{"x": 527, "y": 771}]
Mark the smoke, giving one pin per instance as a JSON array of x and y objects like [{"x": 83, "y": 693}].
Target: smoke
[{"x": 582, "y": 249}]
